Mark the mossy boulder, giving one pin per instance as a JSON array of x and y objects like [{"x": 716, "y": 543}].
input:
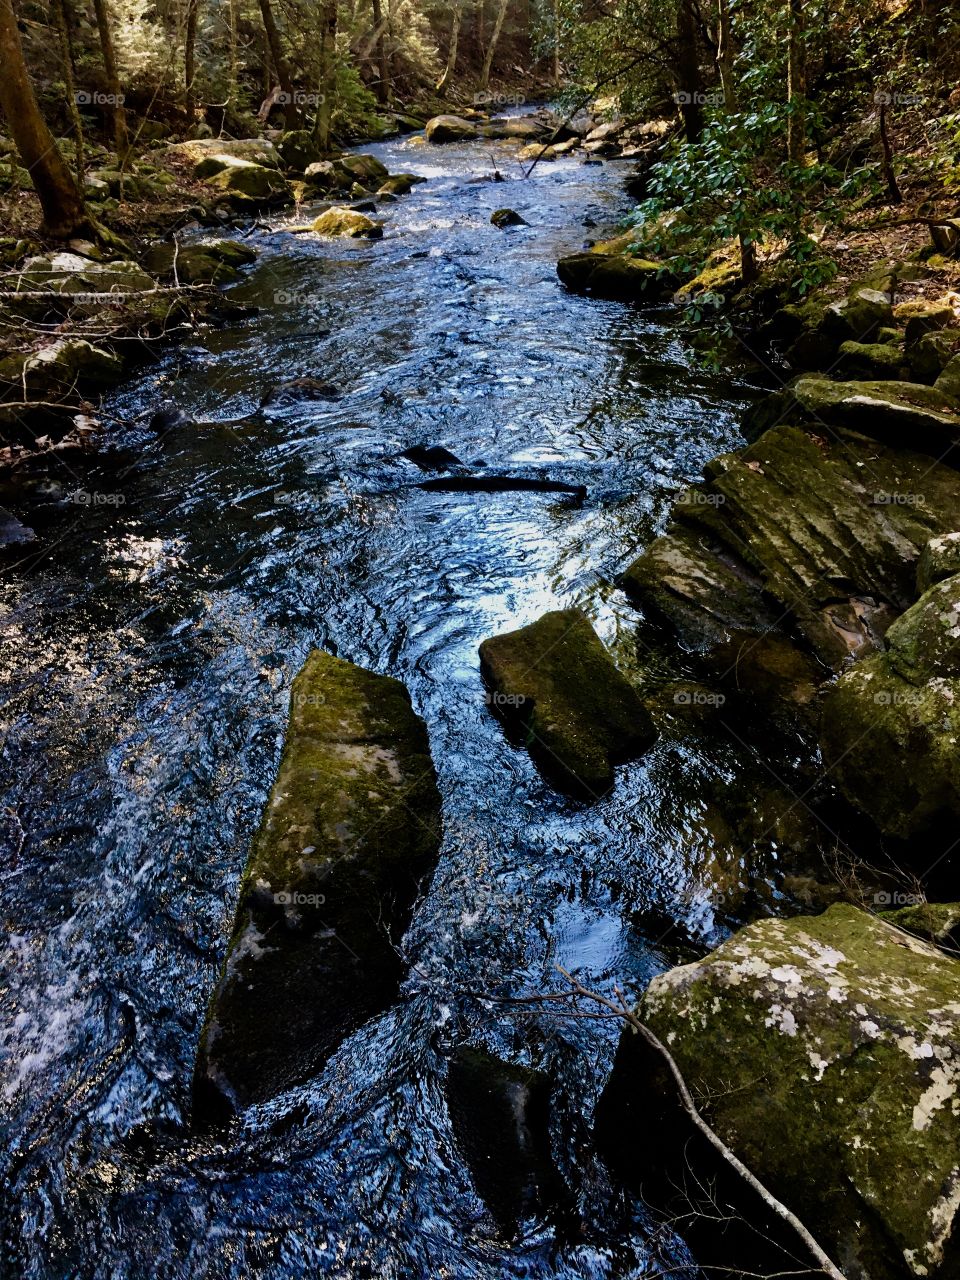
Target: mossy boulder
[
  {"x": 340, "y": 221},
  {"x": 891, "y": 747},
  {"x": 521, "y": 128},
  {"x": 921, "y": 316},
  {"x": 578, "y": 714},
  {"x": 619, "y": 276},
  {"x": 938, "y": 922},
  {"x": 829, "y": 528},
  {"x": 297, "y": 149},
  {"x": 904, "y": 413},
  {"x": 932, "y": 353},
  {"x": 720, "y": 276},
  {"x": 399, "y": 184},
  {"x": 925, "y": 641},
  {"x": 449, "y": 128},
  {"x": 203, "y": 262},
  {"x": 349, "y": 832},
  {"x": 61, "y": 369},
  {"x": 255, "y": 150},
  {"x": 824, "y": 1051},
  {"x": 364, "y": 168},
  {"x": 939, "y": 559},
  {"x": 252, "y": 182},
  {"x": 874, "y": 360},
  {"x": 948, "y": 381}
]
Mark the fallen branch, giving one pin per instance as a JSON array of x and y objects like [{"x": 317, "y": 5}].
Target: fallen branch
[{"x": 621, "y": 1009}]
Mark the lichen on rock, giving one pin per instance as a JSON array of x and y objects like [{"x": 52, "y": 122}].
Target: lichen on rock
[{"x": 825, "y": 1051}]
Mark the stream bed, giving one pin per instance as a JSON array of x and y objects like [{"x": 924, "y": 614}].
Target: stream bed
[{"x": 151, "y": 638}]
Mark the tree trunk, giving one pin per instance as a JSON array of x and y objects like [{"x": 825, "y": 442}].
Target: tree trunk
[
  {"x": 189, "y": 57},
  {"x": 291, "y": 111},
  {"x": 748, "y": 250},
  {"x": 383, "y": 66},
  {"x": 689, "y": 80},
  {"x": 889, "y": 177},
  {"x": 796, "y": 84},
  {"x": 492, "y": 46},
  {"x": 328, "y": 73},
  {"x": 58, "y": 12},
  {"x": 118, "y": 117},
  {"x": 64, "y": 215},
  {"x": 725, "y": 55},
  {"x": 556, "y": 42},
  {"x": 234, "y": 73},
  {"x": 452, "y": 53}
]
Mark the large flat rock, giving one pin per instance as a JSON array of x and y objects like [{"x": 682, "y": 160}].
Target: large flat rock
[
  {"x": 579, "y": 715},
  {"x": 349, "y": 833}
]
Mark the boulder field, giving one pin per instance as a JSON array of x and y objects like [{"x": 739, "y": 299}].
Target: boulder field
[
  {"x": 825, "y": 1052},
  {"x": 350, "y": 833}
]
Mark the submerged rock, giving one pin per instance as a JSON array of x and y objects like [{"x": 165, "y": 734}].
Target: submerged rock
[
  {"x": 350, "y": 830},
  {"x": 399, "y": 184},
  {"x": 579, "y": 715},
  {"x": 507, "y": 218},
  {"x": 340, "y": 221},
  {"x": 432, "y": 457},
  {"x": 824, "y": 1051},
  {"x": 500, "y": 1116}
]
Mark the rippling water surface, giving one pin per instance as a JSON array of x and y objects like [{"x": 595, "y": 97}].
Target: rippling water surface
[{"x": 151, "y": 644}]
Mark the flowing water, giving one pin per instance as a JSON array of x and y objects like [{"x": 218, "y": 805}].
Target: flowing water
[{"x": 152, "y": 635}]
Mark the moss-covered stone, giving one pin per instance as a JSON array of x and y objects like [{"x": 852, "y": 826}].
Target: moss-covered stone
[
  {"x": 579, "y": 715},
  {"x": 204, "y": 262},
  {"x": 297, "y": 149},
  {"x": 925, "y": 641},
  {"x": 619, "y": 276},
  {"x": 874, "y": 360},
  {"x": 349, "y": 831},
  {"x": 61, "y": 368},
  {"x": 932, "y": 353},
  {"x": 921, "y": 316},
  {"x": 721, "y": 277},
  {"x": 939, "y": 559},
  {"x": 948, "y": 382},
  {"x": 891, "y": 746},
  {"x": 935, "y": 921},
  {"x": 255, "y": 150},
  {"x": 252, "y": 181},
  {"x": 364, "y": 168},
  {"x": 399, "y": 184},
  {"x": 905, "y": 413},
  {"x": 340, "y": 221},
  {"x": 824, "y": 1051}
]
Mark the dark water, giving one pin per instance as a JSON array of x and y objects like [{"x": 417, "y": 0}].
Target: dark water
[{"x": 151, "y": 641}]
